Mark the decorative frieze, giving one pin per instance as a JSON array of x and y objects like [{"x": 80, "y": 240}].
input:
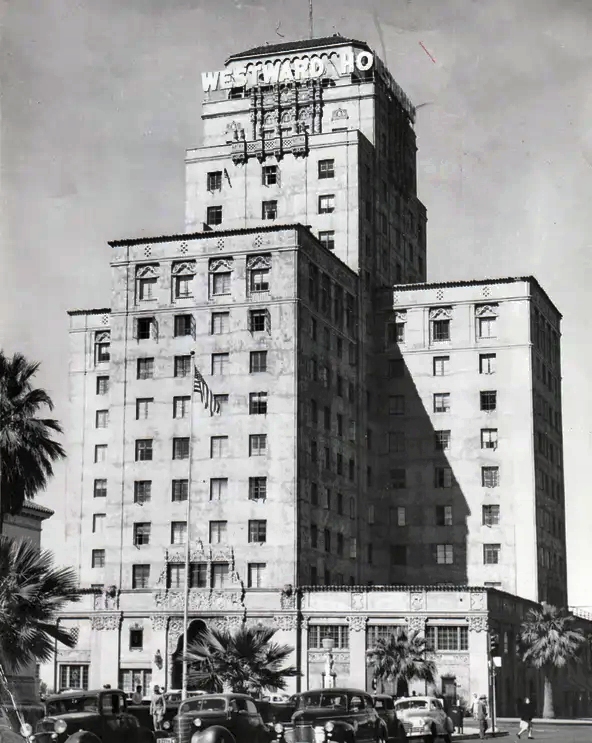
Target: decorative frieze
[
  {"x": 287, "y": 622},
  {"x": 478, "y": 623},
  {"x": 198, "y": 600},
  {"x": 416, "y": 624},
  {"x": 184, "y": 268},
  {"x": 358, "y": 601},
  {"x": 201, "y": 553},
  {"x": 221, "y": 264},
  {"x": 357, "y": 623},
  {"x": 486, "y": 310},
  {"x": 159, "y": 622},
  {"x": 258, "y": 261},
  {"x": 338, "y": 657},
  {"x": 340, "y": 114},
  {"x": 148, "y": 271},
  {"x": 110, "y": 621},
  {"x": 440, "y": 313},
  {"x": 442, "y": 659},
  {"x": 417, "y": 601}
]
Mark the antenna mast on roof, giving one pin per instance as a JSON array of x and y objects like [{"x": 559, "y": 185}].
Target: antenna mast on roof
[{"x": 310, "y": 18}]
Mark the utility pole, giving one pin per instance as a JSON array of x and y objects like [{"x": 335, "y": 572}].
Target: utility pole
[
  {"x": 494, "y": 661},
  {"x": 310, "y": 22}
]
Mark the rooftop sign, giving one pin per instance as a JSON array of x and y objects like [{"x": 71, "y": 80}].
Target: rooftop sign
[{"x": 287, "y": 70}]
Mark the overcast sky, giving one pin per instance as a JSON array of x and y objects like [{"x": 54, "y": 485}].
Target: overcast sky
[{"x": 100, "y": 99}]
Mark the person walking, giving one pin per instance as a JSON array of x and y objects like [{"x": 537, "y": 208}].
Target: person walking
[
  {"x": 157, "y": 708},
  {"x": 526, "y": 717},
  {"x": 479, "y": 710}
]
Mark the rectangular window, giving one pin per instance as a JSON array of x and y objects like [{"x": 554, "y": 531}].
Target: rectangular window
[
  {"x": 396, "y": 442},
  {"x": 327, "y": 418},
  {"x": 443, "y": 515},
  {"x": 491, "y": 515},
  {"x": 145, "y": 328},
  {"x": 441, "y": 365},
  {"x": 327, "y": 239},
  {"x": 339, "y": 633},
  {"x": 258, "y": 321},
  {"x": 179, "y": 490},
  {"x": 488, "y": 400},
  {"x": 396, "y": 368},
  {"x": 399, "y": 478},
  {"x": 491, "y": 554},
  {"x": 327, "y": 540},
  {"x": 220, "y": 363},
  {"x": 143, "y": 407},
  {"x": 140, "y": 576},
  {"x": 218, "y": 488},
  {"x": 220, "y": 283},
  {"x": 486, "y": 327},
  {"x": 259, "y": 280},
  {"x": 440, "y": 330},
  {"x": 218, "y": 447},
  {"x": 487, "y": 363},
  {"x": 102, "y": 419},
  {"x": 220, "y": 575},
  {"x": 269, "y": 175},
  {"x": 327, "y": 204},
  {"x": 258, "y": 403},
  {"x": 258, "y": 530},
  {"x": 184, "y": 325},
  {"x": 326, "y": 169},
  {"x": 102, "y": 351},
  {"x": 181, "y": 448},
  {"x": 396, "y": 405},
  {"x": 182, "y": 366},
  {"x": 218, "y": 531},
  {"x": 181, "y": 406},
  {"x": 98, "y": 559},
  {"x": 73, "y": 677},
  {"x": 145, "y": 368},
  {"x": 256, "y": 574},
  {"x": 442, "y": 402},
  {"x": 102, "y": 385},
  {"x": 489, "y": 438},
  {"x": 178, "y": 532},
  {"x": 146, "y": 287},
  {"x": 100, "y": 453},
  {"x": 100, "y": 488},
  {"x": 141, "y": 534},
  {"x": 175, "y": 576},
  {"x": 447, "y": 638},
  {"x": 401, "y": 516},
  {"x": 214, "y": 215},
  {"x": 183, "y": 286},
  {"x": 258, "y": 445},
  {"x": 314, "y": 536},
  {"x": 490, "y": 477},
  {"x": 142, "y": 491},
  {"x": 398, "y": 554},
  {"x": 221, "y": 401},
  {"x": 442, "y": 440},
  {"x": 444, "y": 554},
  {"x": 143, "y": 450},
  {"x": 257, "y": 488},
  {"x": 220, "y": 323},
  {"x": 214, "y": 180},
  {"x": 269, "y": 210},
  {"x": 340, "y": 545},
  {"x": 443, "y": 477},
  {"x": 98, "y": 522}
]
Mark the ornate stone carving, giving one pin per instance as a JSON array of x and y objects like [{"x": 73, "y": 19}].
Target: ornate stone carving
[
  {"x": 416, "y": 624},
  {"x": 401, "y": 315},
  {"x": 103, "y": 336},
  {"x": 449, "y": 658},
  {"x": 106, "y": 621},
  {"x": 440, "y": 313},
  {"x": 417, "y": 601},
  {"x": 339, "y": 114},
  {"x": 358, "y": 601},
  {"x": 258, "y": 261},
  {"x": 338, "y": 657},
  {"x": 147, "y": 271},
  {"x": 357, "y": 623},
  {"x": 198, "y": 600},
  {"x": 159, "y": 622},
  {"x": 486, "y": 310},
  {"x": 221, "y": 264},
  {"x": 183, "y": 268},
  {"x": 477, "y": 600},
  {"x": 105, "y": 319},
  {"x": 288, "y": 598},
  {"x": 286, "y": 622},
  {"x": 478, "y": 623},
  {"x": 175, "y": 631}
]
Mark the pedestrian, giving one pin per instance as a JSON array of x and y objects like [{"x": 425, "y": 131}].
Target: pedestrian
[
  {"x": 479, "y": 710},
  {"x": 137, "y": 695},
  {"x": 157, "y": 708},
  {"x": 460, "y": 719},
  {"x": 526, "y": 716}
]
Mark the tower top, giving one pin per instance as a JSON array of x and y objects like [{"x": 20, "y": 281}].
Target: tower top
[{"x": 297, "y": 46}]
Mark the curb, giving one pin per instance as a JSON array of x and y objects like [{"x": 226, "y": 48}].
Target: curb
[
  {"x": 475, "y": 736},
  {"x": 542, "y": 721}
]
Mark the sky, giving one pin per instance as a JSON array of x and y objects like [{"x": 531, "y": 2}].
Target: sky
[{"x": 99, "y": 100}]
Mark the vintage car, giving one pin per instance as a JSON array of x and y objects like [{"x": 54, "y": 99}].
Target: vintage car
[
  {"x": 89, "y": 717},
  {"x": 172, "y": 700},
  {"x": 341, "y": 715},
  {"x": 424, "y": 717},
  {"x": 218, "y": 718},
  {"x": 384, "y": 704}
]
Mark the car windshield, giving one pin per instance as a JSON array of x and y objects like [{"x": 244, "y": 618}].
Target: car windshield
[
  {"x": 199, "y": 704},
  {"x": 412, "y": 704},
  {"x": 379, "y": 703},
  {"x": 323, "y": 699},
  {"x": 72, "y": 704}
]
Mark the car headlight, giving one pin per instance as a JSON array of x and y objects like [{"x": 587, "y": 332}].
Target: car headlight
[
  {"x": 60, "y": 726},
  {"x": 330, "y": 727},
  {"x": 26, "y": 730},
  {"x": 166, "y": 725},
  {"x": 197, "y": 722},
  {"x": 278, "y": 727}
]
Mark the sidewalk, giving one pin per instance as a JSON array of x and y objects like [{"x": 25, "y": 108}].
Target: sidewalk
[{"x": 542, "y": 721}]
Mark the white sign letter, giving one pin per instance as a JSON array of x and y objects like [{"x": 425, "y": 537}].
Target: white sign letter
[
  {"x": 364, "y": 61},
  {"x": 285, "y": 72},
  {"x": 271, "y": 73},
  {"x": 300, "y": 69},
  {"x": 316, "y": 67},
  {"x": 347, "y": 63},
  {"x": 209, "y": 80},
  {"x": 240, "y": 77},
  {"x": 226, "y": 80}
]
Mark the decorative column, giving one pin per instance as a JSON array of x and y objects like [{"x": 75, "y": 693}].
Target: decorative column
[
  {"x": 105, "y": 648},
  {"x": 478, "y": 655},
  {"x": 158, "y": 649},
  {"x": 417, "y": 624},
  {"x": 175, "y": 631},
  {"x": 357, "y": 650}
]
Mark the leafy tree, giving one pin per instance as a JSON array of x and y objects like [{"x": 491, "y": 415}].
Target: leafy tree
[
  {"x": 244, "y": 661},
  {"x": 27, "y": 449},
  {"x": 32, "y": 592},
  {"x": 401, "y": 658},
  {"x": 549, "y": 641}
]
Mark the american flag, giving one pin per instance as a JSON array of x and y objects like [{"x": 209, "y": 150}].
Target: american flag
[{"x": 206, "y": 396}]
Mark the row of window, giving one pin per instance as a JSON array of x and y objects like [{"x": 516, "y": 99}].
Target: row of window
[
  {"x": 487, "y": 364},
  {"x": 550, "y": 523},
  {"x": 545, "y": 410},
  {"x": 218, "y": 531},
  {"x": 271, "y": 175},
  {"x": 548, "y": 485},
  {"x": 269, "y": 209},
  {"x": 327, "y": 460},
  {"x": 548, "y": 558},
  {"x": 331, "y": 299},
  {"x": 219, "y": 281},
  {"x": 486, "y": 327},
  {"x": 397, "y": 442},
  {"x": 444, "y": 478},
  {"x": 487, "y": 401},
  {"x": 184, "y": 325},
  {"x": 547, "y": 448},
  {"x": 339, "y": 540},
  {"x": 444, "y": 554},
  {"x": 443, "y": 515}
]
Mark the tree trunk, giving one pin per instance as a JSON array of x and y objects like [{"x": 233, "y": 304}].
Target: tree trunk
[{"x": 548, "y": 709}]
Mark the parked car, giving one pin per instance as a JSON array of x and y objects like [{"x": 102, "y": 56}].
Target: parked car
[
  {"x": 218, "y": 718},
  {"x": 276, "y": 712},
  {"x": 424, "y": 717},
  {"x": 89, "y": 717},
  {"x": 384, "y": 704},
  {"x": 172, "y": 699},
  {"x": 341, "y": 715}
]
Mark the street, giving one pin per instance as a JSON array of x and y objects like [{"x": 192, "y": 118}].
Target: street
[{"x": 549, "y": 733}]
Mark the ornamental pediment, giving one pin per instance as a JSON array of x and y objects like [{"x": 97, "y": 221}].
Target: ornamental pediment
[
  {"x": 486, "y": 310},
  {"x": 147, "y": 271},
  {"x": 440, "y": 313},
  {"x": 183, "y": 268}
]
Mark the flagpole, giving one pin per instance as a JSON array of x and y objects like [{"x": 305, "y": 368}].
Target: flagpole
[
  {"x": 188, "y": 535},
  {"x": 310, "y": 23}
]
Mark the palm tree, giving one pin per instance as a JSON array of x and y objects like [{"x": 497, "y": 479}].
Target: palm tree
[
  {"x": 27, "y": 449},
  {"x": 32, "y": 592},
  {"x": 549, "y": 641},
  {"x": 401, "y": 658},
  {"x": 244, "y": 661}
]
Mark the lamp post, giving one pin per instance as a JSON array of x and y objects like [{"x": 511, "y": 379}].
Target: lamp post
[{"x": 329, "y": 672}]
